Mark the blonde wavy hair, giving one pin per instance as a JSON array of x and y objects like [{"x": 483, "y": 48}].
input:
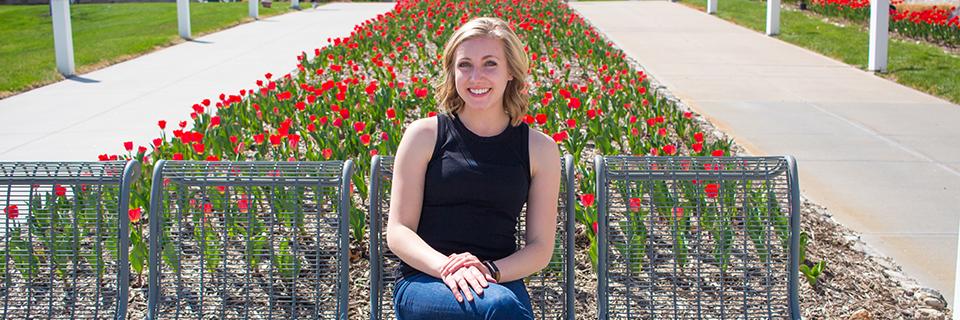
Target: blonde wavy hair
[{"x": 515, "y": 100}]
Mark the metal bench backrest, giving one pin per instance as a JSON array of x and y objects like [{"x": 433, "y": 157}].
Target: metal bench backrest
[
  {"x": 551, "y": 290},
  {"x": 697, "y": 238},
  {"x": 64, "y": 239},
  {"x": 249, "y": 240}
]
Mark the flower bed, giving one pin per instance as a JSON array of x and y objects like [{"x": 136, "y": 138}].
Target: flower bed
[
  {"x": 352, "y": 98},
  {"x": 933, "y": 24}
]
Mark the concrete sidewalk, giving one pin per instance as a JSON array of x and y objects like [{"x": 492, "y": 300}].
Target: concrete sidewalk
[
  {"x": 883, "y": 158},
  {"x": 84, "y": 116}
]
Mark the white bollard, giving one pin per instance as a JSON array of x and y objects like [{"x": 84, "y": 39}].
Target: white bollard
[
  {"x": 183, "y": 18},
  {"x": 295, "y": 4},
  {"x": 956, "y": 281},
  {"x": 879, "y": 27},
  {"x": 712, "y": 6},
  {"x": 773, "y": 17},
  {"x": 254, "y": 10},
  {"x": 62, "y": 36}
]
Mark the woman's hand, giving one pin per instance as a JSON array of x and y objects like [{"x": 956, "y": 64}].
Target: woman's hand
[{"x": 462, "y": 272}]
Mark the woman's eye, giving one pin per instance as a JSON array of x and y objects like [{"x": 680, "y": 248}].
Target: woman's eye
[
  {"x": 463, "y": 65},
  {"x": 490, "y": 63}
]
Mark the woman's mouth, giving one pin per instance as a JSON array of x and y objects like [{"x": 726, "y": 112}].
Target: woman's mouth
[{"x": 478, "y": 91}]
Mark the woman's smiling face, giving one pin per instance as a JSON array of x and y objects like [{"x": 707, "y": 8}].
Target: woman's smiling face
[{"x": 481, "y": 73}]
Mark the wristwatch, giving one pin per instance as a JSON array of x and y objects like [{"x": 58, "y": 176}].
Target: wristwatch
[{"x": 494, "y": 271}]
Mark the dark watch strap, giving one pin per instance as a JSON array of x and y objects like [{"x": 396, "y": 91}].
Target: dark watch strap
[{"x": 492, "y": 267}]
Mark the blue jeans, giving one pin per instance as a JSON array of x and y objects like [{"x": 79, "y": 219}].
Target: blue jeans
[{"x": 425, "y": 297}]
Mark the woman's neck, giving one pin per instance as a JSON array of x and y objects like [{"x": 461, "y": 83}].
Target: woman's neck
[{"x": 484, "y": 123}]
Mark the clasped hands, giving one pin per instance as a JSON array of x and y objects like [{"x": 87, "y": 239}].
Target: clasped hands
[{"x": 464, "y": 271}]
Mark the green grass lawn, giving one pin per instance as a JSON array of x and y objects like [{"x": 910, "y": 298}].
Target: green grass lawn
[
  {"x": 103, "y": 34},
  {"x": 921, "y": 66}
]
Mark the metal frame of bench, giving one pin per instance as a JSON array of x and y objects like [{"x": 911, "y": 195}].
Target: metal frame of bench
[
  {"x": 249, "y": 240},
  {"x": 731, "y": 252},
  {"x": 555, "y": 283},
  {"x": 78, "y": 250}
]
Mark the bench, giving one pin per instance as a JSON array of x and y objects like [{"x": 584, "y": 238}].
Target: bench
[
  {"x": 64, "y": 239},
  {"x": 249, "y": 240},
  {"x": 697, "y": 237},
  {"x": 551, "y": 290}
]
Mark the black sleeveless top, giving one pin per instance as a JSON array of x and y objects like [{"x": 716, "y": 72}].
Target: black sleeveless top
[{"x": 474, "y": 191}]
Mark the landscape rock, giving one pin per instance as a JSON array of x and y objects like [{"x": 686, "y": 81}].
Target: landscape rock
[
  {"x": 860, "y": 315},
  {"x": 930, "y": 314}
]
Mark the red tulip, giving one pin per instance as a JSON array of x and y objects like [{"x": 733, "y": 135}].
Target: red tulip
[
  {"x": 258, "y": 139},
  {"x": 293, "y": 139},
  {"x": 573, "y": 103},
  {"x": 327, "y": 153},
  {"x": 571, "y": 123},
  {"x": 541, "y": 119},
  {"x": 669, "y": 149},
  {"x": 635, "y": 204},
  {"x": 391, "y": 113},
  {"x": 157, "y": 142},
  {"x": 633, "y": 119},
  {"x": 345, "y": 113},
  {"x": 162, "y": 124},
  {"x": 384, "y": 136},
  {"x": 128, "y": 145},
  {"x": 528, "y": 119},
  {"x": 595, "y": 229},
  {"x": 697, "y": 147},
  {"x": 365, "y": 139},
  {"x": 359, "y": 126},
  {"x": 213, "y": 158},
  {"x": 177, "y": 156},
  {"x": 717, "y": 153},
  {"x": 59, "y": 190},
  {"x": 134, "y": 214},
  {"x": 662, "y": 132},
  {"x": 141, "y": 150},
  {"x": 587, "y": 200},
  {"x": 712, "y": 190},
  {"x": 311, "y": 128},
  {"x": 215, "y": 121},
  {"x": 276, "y": 139},
  {"x": 12, "y": 212},
  {"x": 591, "y": 113},
  {"x": 698, "y": 137},
  {"x": 198, "y": 148},
  {"x": 635, "y": 132},
  {"x": 183, "y": 124}
]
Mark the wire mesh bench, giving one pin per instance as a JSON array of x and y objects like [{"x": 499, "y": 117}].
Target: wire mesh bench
[
  {"x": 64, "y": 239},
  {"x": 698, "y": 238},
  {"x": 249, "y": 240},
  {"x": 551, "y": 290}
]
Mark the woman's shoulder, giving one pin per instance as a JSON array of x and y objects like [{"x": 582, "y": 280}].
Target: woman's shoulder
[
  {"x": 420, "y": 137},
  {"x": 543, "y": 147}
]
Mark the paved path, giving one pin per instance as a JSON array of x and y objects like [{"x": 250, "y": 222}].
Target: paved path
[
  {"x": 883, "y": 158},
  {"x": 92, "y": 114}
]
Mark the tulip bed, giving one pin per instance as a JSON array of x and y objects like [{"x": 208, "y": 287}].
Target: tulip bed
[
  {"x": 352, "y": 98},
  {"x": 933, "y": 25}
]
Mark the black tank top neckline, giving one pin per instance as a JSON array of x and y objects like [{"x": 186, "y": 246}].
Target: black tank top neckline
[{"x": 471, "y": 135}]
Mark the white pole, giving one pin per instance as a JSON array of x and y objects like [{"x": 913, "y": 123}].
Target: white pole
[
  {"x": 254, "y": 10},
  {"x": 879, "y": 26},
  {"x": 956, "y": 281},
  {"x": 773, "y": 17},
  {"x": 62, "y": 36},
  {"x": 183, "y": 18},
  {"x": 295, "y": 4},
  {"x": 712, "y": 6}
]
